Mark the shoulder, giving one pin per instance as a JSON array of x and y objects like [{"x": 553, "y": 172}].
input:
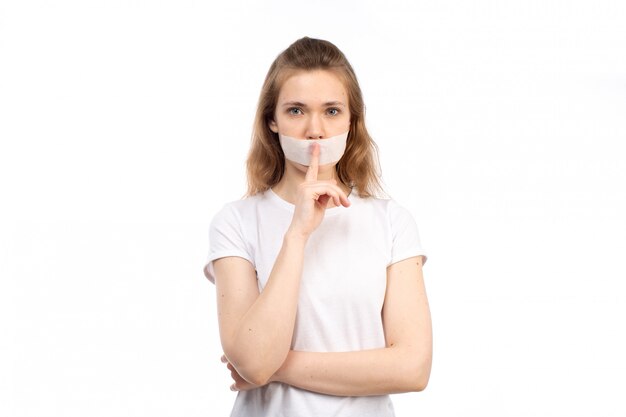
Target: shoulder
[
  {"x": 388, "y": 207},
  {"x": 238, "y": 209},
  {"x": 395, "y": 221},
  {"x": 395, "y": 210},
  {"x": 387, "y": 213},
  {"x": 229, "y": 232},
  {"x": 397, "y": 216}
]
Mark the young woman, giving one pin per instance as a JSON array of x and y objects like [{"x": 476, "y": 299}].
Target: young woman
[{"x": 321, "y": 302}]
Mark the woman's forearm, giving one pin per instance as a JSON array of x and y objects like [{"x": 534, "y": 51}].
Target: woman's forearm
[
  {"x": 368, "y": 372},
  {"x": 263, "y": 336}
]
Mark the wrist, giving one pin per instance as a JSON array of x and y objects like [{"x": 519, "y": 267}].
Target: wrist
[{"x": 295, "y": 237}]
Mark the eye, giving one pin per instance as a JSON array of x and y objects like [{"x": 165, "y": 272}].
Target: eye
[
  {"x": 333, "y": 111},
  {"x": 294, "y": 110}
]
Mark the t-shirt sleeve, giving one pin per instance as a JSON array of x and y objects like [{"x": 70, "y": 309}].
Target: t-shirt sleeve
[
  {"x": 405, "y": 239},
  {"x": 225, "y": 239}
]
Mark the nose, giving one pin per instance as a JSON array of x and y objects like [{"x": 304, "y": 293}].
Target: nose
[{"x": 315, "y": 130}]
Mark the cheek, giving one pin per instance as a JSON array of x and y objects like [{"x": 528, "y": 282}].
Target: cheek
[
  {"x": 285, "y": 122},
  {"x": 297, "y": 168},
  {"x": 347, "y": 119}
]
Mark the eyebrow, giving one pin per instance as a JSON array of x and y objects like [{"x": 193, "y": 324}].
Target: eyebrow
[{"x": 300, "y": 104}]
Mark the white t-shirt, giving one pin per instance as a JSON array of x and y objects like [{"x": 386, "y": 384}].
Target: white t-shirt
[{"x": 341, "y": 292}]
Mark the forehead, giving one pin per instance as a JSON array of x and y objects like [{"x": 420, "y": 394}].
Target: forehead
[{"x": 313, "y": 87}]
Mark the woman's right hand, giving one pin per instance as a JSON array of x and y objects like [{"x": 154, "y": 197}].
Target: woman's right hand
[{"x": 313, "y": 197}]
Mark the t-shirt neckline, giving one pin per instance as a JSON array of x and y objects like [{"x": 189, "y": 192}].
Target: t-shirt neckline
[{"x": 291, "y": 207}]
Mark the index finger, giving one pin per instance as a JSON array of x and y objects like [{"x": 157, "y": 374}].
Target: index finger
[{"x": 311, "y": 173}]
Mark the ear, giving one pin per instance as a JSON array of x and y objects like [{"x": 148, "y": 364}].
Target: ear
[{"x": 273, "y": 126}]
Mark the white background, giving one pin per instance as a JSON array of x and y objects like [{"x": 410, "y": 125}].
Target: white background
[{"x": 124, "y": 127}]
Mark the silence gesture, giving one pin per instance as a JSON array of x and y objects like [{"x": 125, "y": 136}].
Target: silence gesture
[{"x": 313, "y": 197}]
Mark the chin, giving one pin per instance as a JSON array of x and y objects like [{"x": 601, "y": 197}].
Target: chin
[
  {"x": 319, "y": 167},
  {"x": 304, "y": 168}
]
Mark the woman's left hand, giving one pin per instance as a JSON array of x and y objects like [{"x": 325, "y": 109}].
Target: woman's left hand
[{"x": 240, "y": 384}]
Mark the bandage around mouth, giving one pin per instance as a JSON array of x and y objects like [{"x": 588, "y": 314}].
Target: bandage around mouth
[{"x": 299, "y": 150}]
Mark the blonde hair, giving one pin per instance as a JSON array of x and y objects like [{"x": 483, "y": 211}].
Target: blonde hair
[{"x": 265, "y": 165}]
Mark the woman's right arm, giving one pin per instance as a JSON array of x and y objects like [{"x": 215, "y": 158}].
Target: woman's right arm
[{"x": 256, "y": 328}]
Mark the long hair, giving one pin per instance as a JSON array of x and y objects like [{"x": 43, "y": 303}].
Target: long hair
[{"x": 358, "y": 167}]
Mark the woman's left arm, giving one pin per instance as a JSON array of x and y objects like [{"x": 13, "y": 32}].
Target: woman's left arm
[{"x": 402, "y": 366}]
